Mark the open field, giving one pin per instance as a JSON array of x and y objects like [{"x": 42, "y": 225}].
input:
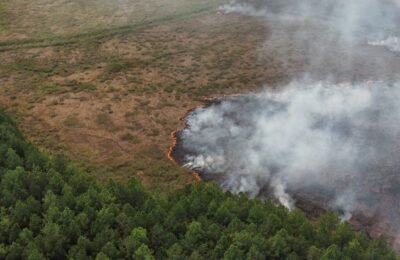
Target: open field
[
  {"x": 109, "y": 89},
  {"x": 46, "y": 19},
  {"x": 111, "y": 97}
]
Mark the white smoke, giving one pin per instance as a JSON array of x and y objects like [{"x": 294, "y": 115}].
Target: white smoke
[
  {"x": 310, "y": 136},
  {"x": 343, "y": 21},
  {"x": 392, "y": 43},
  {"x": 346, "y": 203},
  {"x": 279, "y": 189},
  {"x": 243, "y": 8},
  {"x": 338, "y": 143}
]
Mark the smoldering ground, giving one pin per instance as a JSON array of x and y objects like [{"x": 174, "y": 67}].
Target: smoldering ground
[
  {"x": 338, "y": 141},
  {"x": 336, "y": 144}
]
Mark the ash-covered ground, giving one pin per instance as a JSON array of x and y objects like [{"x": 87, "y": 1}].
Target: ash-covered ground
[{"x": 329, "y": 140}]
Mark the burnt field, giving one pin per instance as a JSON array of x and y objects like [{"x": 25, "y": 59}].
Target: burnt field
[
  {"x": 325, "y": 141},
  {"x": 297, "y": 147},
  {"x": 328, "y": 140}
]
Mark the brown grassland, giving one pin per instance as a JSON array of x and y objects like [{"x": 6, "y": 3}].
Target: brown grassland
[{"x": 106, "y": 83}]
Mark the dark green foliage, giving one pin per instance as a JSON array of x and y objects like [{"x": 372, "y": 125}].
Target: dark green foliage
[{"x": 50, "y": 209}]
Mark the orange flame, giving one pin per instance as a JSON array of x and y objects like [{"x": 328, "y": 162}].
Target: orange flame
[
  {"x": 171, "y": 149},
  {"x": 196, "y": 176}
]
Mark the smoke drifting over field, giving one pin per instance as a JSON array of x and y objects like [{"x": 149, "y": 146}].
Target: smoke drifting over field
[
  {"x": 338, "y": 138},
  {"x": 391, "y": 43},
  {"x": 328, "y": 39},
  {"x": 349, "y": 21},
  {"x": 337, "y": 142}
]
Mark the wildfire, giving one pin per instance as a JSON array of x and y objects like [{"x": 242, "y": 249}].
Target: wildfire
[
  {"x": 196, "y": 176},
  {"x": 171, "y": 149},
  {"x": 170, "y": 157}
]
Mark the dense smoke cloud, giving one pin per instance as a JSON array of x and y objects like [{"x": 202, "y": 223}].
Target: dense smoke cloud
[
  {"x": 342, "y": 140},
  {"x": 336, "y": 144},
  {"x": 311, "y": 134}
]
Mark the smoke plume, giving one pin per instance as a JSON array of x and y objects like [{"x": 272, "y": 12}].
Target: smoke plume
[
  {"x": 332, "y": 143},
  {"x": 341, "y": 139}
]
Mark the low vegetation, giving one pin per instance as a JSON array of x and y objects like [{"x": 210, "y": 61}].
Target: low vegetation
[
  {"x": 50, "y": 209},
  {"x": 110, "y": 99}
]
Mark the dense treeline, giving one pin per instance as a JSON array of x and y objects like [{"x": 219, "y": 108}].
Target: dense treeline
[{"x": 49, "y": 209}]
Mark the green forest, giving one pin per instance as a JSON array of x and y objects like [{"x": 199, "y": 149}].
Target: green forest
[{"x": 51, "y": 209}]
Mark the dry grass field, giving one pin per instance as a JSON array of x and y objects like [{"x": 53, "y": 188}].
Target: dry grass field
[{"x": 106, "y": 84}]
